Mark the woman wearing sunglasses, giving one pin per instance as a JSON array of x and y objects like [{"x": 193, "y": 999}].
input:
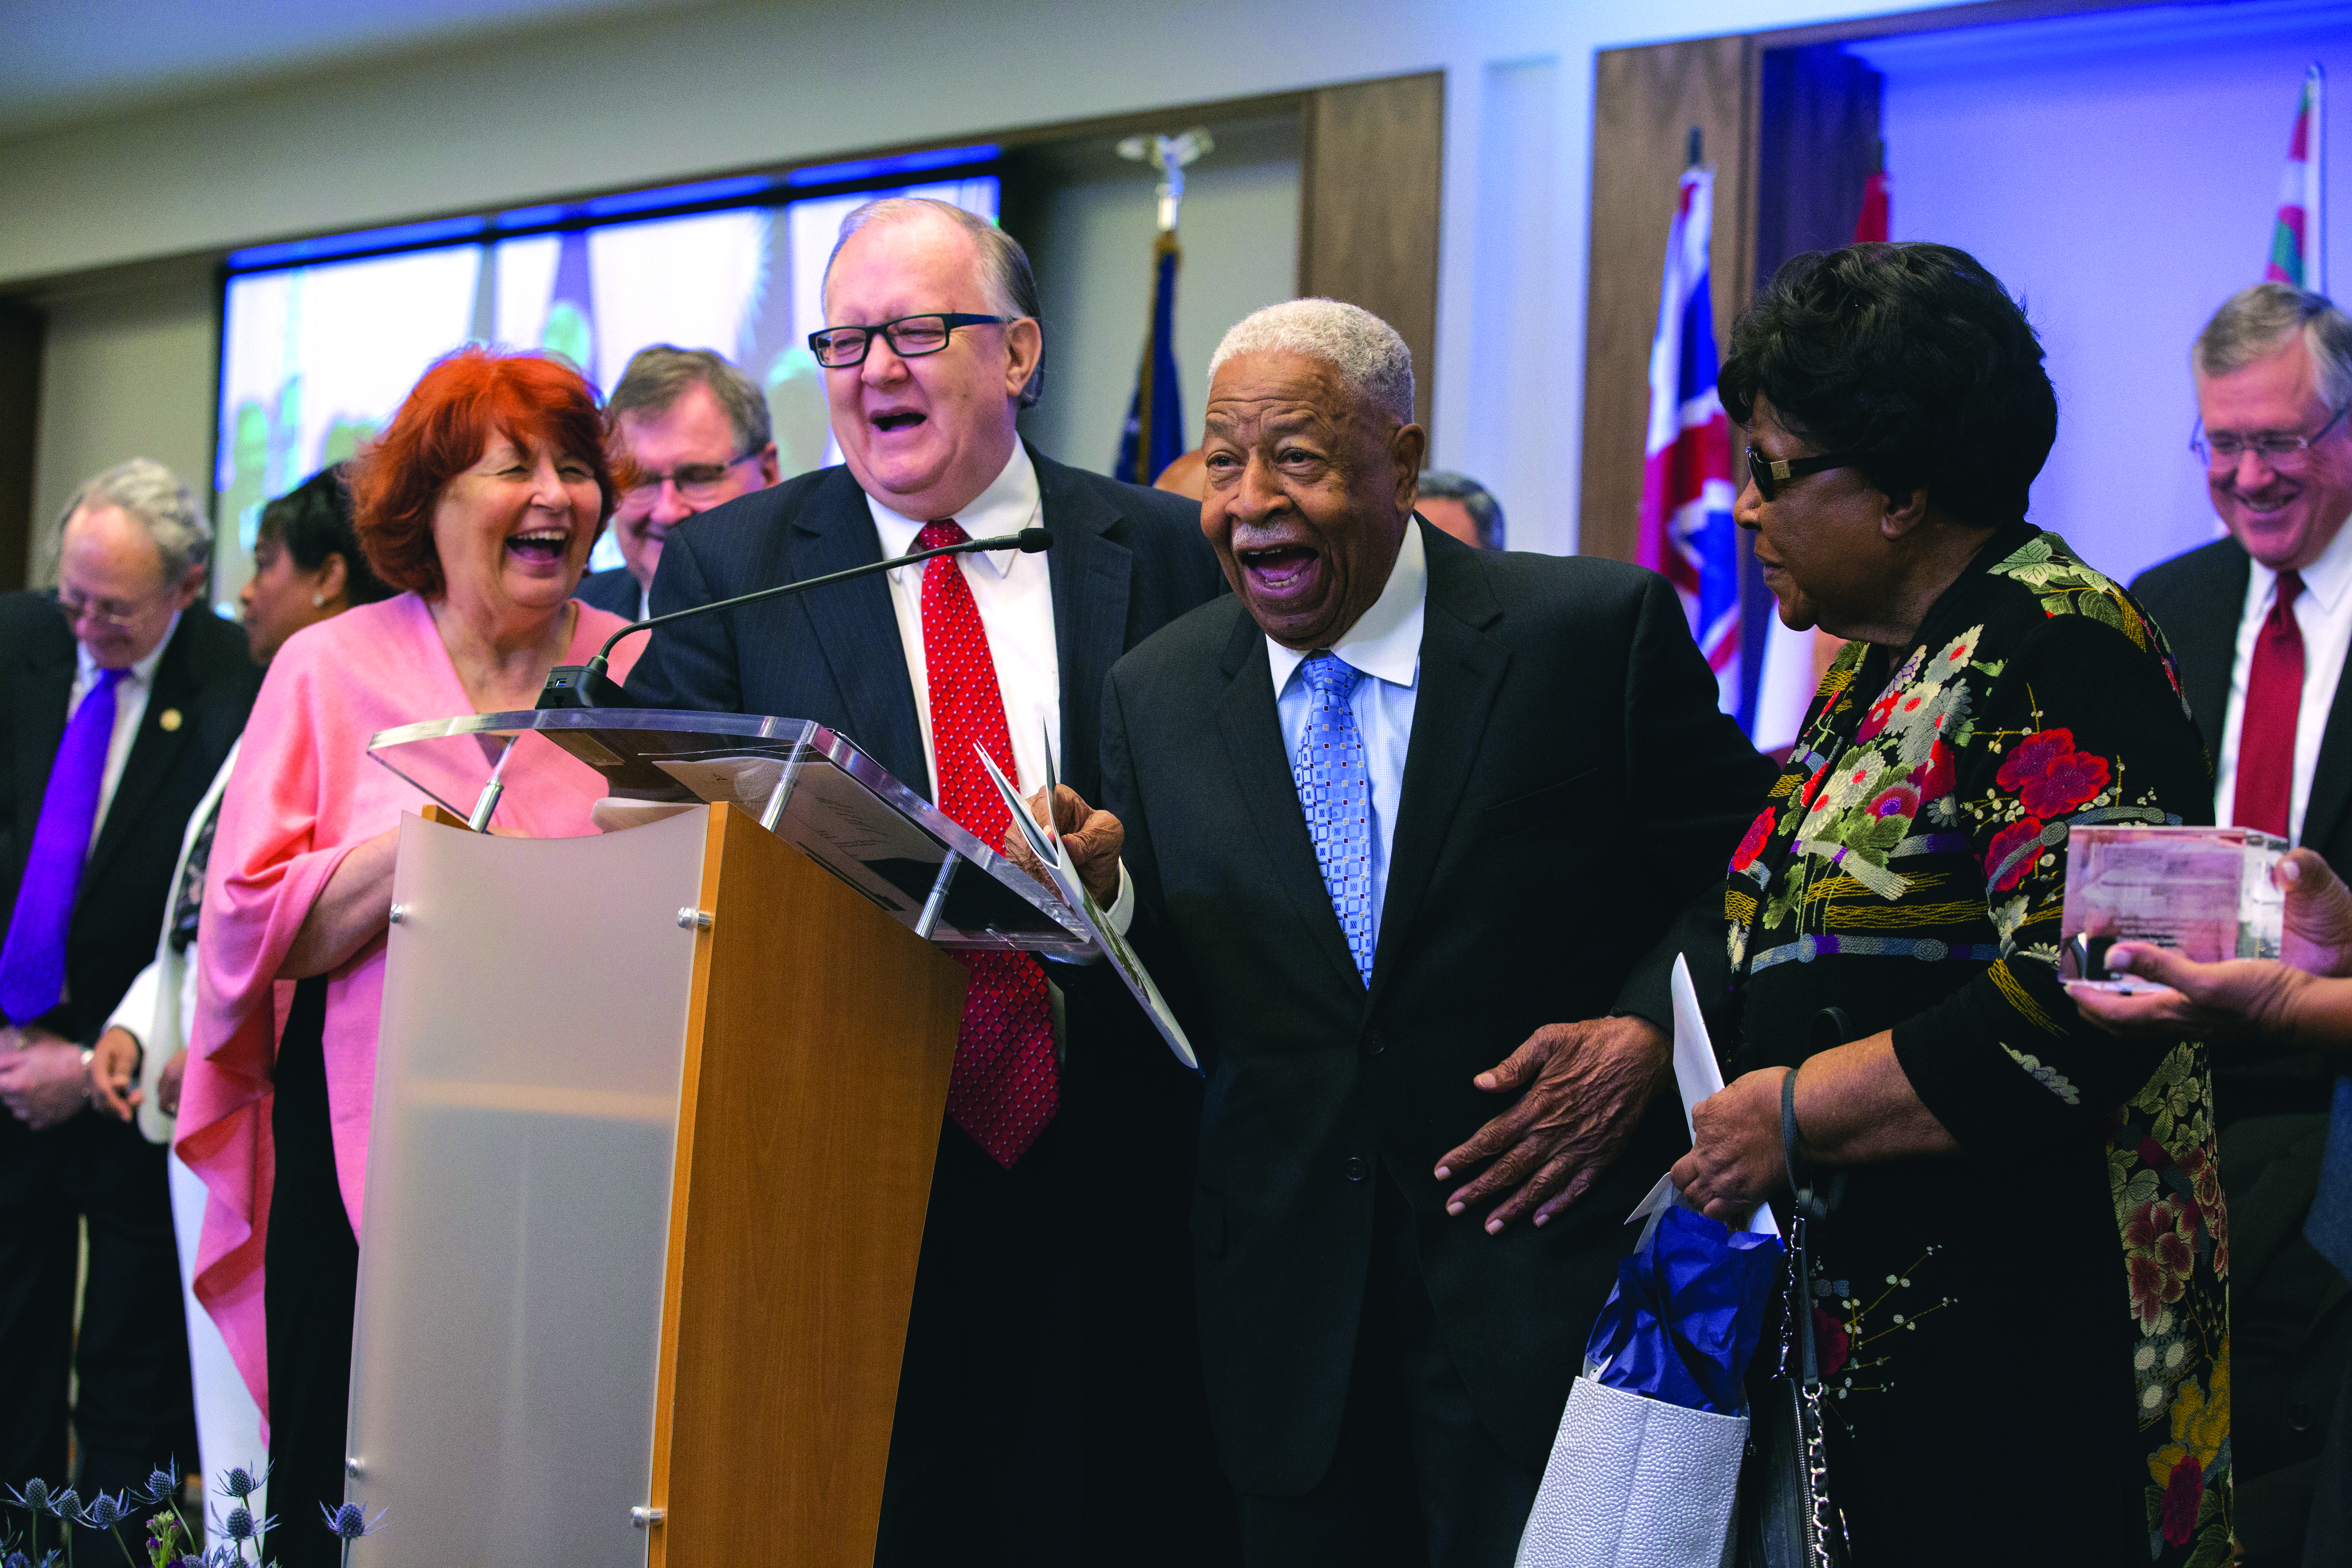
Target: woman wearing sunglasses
[{"x": 2018, "y": 1282}]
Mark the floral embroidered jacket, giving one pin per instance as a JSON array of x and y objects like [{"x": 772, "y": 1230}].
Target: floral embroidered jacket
[{"x": 2034, "y": 1335}]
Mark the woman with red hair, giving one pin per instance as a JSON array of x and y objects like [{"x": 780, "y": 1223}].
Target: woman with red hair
[{"x": 481, "y": 501}]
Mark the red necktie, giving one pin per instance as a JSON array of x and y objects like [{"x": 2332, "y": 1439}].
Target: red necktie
[
  {"x": 2273, "y": 702},
  {"x": 1004, "y": 1089}
]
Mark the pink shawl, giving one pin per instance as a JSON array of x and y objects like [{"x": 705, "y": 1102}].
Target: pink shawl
[{"x": 304, "y": 794}]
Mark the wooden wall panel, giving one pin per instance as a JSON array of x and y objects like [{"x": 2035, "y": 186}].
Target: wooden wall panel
[
  {"x": 1372, "y": 160},
  {"x": 1644, "y": 103},
  {"x": 21, "y": 333}
]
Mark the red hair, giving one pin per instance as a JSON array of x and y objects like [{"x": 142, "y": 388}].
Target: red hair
[{"x": 444, "y": 427}]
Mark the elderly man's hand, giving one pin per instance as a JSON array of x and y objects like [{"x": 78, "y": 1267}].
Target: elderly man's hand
[
  {"x": 113, "y": 1072},
  {"x": 2213, "y": 1002},
  {"x": 1586, "y": 1086},
  {"x": 42, "y": 1083},
  {"x": 1091, "y": 838},
  {"x": 1735, "y": 1160}
]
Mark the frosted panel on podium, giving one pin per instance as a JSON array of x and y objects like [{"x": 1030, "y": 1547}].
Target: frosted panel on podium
[{"x": 518, "y": 1195}]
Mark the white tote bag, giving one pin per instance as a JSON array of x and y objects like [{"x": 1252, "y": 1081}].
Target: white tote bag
[{"x": 1635, "y": 1482}]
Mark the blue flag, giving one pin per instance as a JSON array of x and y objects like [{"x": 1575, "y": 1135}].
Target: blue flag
[{"x": 1154, "y": 408}]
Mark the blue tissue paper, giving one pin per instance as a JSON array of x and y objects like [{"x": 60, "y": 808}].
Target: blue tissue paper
[{"x": 1687, "y": 1310}]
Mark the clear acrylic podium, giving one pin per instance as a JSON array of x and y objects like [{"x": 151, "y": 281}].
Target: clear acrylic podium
[{"x": 654, "y": 1123}]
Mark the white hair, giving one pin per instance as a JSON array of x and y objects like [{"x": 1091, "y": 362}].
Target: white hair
[
  {"x": 152, "y": 496},
  {"x": 1372, "y": 360}
]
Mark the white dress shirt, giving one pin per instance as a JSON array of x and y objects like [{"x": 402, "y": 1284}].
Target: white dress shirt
[
  {"x": 1385, "y": 644},
  {"x": 130, "y": 707},
  {"x": 2324, "y": 611},
  {"x": 1014, "y": 595}
]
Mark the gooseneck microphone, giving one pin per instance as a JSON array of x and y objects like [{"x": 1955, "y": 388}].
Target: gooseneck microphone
[{"x": 588, "y": 685}]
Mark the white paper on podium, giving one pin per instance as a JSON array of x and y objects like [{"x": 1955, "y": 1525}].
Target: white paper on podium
[
  {"x": 1046, "y": 842},
  {"x": 1697, "y": 1076}
]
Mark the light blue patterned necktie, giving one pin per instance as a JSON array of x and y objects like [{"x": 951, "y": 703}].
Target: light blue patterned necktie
[{"x": 1335, "y": 790}]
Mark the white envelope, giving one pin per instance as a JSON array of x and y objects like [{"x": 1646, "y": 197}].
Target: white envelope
[{"x": 1695, "y": 1076}]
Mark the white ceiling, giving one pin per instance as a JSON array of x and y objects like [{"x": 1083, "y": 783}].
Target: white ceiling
[{"x": 72, "y": 59}]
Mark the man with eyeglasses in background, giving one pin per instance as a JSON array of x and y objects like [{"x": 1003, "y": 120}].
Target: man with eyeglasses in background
[
  {"x": 114, "y": 716},
  {"x": 697, "y": 431},
  {"x": 1051, "y": 1408},
  {"x": 2259, "y": 622}
]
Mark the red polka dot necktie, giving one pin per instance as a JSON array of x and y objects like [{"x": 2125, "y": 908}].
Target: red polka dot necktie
[
  {"x": 1003, "y": 1089},
  {"x": 2265, "y": 791}
]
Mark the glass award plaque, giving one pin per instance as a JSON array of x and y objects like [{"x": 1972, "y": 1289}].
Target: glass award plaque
[{"x": 2204, "y": 892}]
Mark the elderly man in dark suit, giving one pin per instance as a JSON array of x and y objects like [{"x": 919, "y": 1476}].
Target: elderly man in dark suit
[
  {"x": 119, "y": 698},
  {"x": 1405, "y": 824},
  {"x": 1049, "y": 1411},
  {"x": 2259, "y": 621}
]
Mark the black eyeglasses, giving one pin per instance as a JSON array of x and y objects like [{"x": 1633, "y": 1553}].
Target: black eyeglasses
[
  {"x": 1773, "y": 473},
  {"x": 909, "y": 337}
]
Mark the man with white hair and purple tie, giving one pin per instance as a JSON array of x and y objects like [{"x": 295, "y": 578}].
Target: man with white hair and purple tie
[
  {"x": 1405, "y": 822},
  {"x": 119, "y": 698}
]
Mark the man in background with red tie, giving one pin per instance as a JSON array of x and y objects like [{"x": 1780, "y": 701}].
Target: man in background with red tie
[
  {"x": 1050, "y": 1410},
  {"x": 120, "y": 695},
  {"x": 2260, "y": 622}
]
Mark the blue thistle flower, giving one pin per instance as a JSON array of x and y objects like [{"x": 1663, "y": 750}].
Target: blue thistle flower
[
  {"x": 64, "y": 1504},
  {"x": 350, "y": 1521},
  {"x": 162, "y": 1483},
  {"x": 17, "y": 1559},
  {"x": 33, "y": 1499},
  {"x": 241, "y": 1483},
  {"x": 239, "y": 1525},
  {"x": 105, "y": 1512}
]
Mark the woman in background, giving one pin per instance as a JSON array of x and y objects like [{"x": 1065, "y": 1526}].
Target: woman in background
[
  {"x": 481, "y": 501},
  {"x": 306, "y": 564}
]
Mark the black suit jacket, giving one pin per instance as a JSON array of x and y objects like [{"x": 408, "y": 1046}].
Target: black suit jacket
[
  {"x": 1568, "y": 786},
  {"x": 207, "y": 680},
  {"x": 1125, "y": 561},
  {"x": 615, "y": 590}
]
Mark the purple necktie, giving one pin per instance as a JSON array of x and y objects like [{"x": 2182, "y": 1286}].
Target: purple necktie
[{"x": 33, "y": 960}]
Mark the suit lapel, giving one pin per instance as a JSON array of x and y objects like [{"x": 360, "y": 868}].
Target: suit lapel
[
  {"x": 44, "y": 684},
  {"x": 1461, "y": 671},
  {"x": 1268, "y": 795},
  {"x": 858, "y": 628},
  {"x": 2331, "y": 777},
  {"x": 154, "y": 749},
  {"x": 2211, "y": 649},
  {"x": 1090, "y": 574}
]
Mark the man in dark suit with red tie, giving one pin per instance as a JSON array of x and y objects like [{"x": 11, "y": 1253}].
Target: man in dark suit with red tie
[
  {"x": 120, "y": 695},
  {"x": 2260, "y": 622},
  {"x": 1050, "y": 1409}
]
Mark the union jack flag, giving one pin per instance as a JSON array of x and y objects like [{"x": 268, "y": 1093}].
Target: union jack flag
[{"x": 1687, "y": 532}]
